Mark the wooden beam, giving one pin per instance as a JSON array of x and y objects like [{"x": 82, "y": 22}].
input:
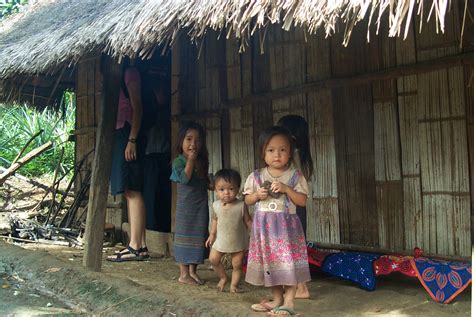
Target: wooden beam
[
  {"x": 101, "y": 168},
  {"x": 384, "y": 251},
  {"x": 367, "y": 78}
]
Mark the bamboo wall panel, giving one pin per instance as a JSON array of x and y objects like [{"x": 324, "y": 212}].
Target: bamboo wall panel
[
  {"x": 322, "y": 209},
  {"x": 444, "y": 161},
  {"x": 286, "y": 52},
  {"x": 431, "y": 42},
  {"x": 242, "y": 149},
  {"x": 354, "y": 139},
  {"x": 262, "y": 109},
  {"x": 388, "y": 176},
  {"x": 409, "y": 114}
]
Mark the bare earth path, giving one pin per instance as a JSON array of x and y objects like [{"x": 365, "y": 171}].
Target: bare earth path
[{"x": 151, "y": 289}]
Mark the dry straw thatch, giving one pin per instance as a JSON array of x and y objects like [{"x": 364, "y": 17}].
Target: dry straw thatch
[{"x": 53, "y": 32}]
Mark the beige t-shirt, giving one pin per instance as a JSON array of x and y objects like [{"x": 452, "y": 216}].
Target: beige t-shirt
[
  {"x": 232, "y": 235},
  {"x": 275, "y": 204}
]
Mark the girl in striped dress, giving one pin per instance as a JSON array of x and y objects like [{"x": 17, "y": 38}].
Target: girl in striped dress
[{"x": 189, "y": 172}]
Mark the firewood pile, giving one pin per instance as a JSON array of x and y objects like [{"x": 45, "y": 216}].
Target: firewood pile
[{"x": 32, "y": 210}]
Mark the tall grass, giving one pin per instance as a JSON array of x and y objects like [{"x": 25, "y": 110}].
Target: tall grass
[{"x": 18, "y": 123}]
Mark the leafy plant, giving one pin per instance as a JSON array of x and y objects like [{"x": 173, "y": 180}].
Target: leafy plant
[
  {"x": 8, "y": 7},
  {"x": 18, "y": 123}
]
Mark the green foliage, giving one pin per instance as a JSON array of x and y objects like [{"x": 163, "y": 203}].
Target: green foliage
[
  {"x": 18, "y": 123},
  {"x": 8, "y": 7}
]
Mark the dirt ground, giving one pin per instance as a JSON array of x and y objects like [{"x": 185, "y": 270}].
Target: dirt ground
[{"x": 151, "y": 288}]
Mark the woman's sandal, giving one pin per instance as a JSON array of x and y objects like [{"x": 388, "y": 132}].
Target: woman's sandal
[
  {"x": 144, "y": 253},
  {"x": 123, "y": 256}
]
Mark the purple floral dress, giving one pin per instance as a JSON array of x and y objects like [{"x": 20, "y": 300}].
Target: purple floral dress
[{"x": 277, "y": 250}]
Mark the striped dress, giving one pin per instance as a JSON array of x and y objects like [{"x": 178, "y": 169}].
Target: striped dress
[{"x": 192, "y": 215}]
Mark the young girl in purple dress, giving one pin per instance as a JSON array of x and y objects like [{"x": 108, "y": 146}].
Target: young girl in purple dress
[{"x": 277, "y": 251}]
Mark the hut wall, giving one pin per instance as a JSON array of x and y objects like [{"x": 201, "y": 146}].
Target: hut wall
[
  {"x": 89, "y": 97},
  {"x": 390, "y": 154}
]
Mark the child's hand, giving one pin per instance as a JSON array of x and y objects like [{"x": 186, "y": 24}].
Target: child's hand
[
  {"x": 192, "y": 155},
  {"x": 262, "y": 193},
  {"x": 278, "y": 187},
  {"x": 210, "y": 240}
]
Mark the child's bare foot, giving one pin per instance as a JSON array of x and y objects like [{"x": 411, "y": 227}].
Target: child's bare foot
[
  {"x": 302, "y": 291},
  {"x": 221, "y": 284},
  {"x": 196, "y": 278},
  {"x": 235, "y": 289},
  {"x": 187, "y": 280}
]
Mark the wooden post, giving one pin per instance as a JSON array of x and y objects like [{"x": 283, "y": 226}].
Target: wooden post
[{"x": 93, "y": 237}]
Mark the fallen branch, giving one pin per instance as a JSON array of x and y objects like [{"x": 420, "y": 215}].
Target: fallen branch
[
  {"x": 25, "y": 159},
  {"x": 26, "y": 145},
  {"x": 36, "y": 183}
]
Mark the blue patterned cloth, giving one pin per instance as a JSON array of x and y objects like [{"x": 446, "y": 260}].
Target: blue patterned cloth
[
  {"x": 353, "y": 266},
  {"x": 443, "y": 280}
]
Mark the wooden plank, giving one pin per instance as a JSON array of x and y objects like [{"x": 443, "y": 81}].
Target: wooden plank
[{"x": 95, "y": 222}]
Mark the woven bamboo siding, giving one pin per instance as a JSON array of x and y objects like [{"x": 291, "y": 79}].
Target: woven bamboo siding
[
  {"x": 322, "y": 209},
  {"x": 468, "y": 45},
  {"x": 262, "y": 113},
  {"x": 241, "y": 131},
  {"x": 323, "y": 212},
  {"x": 443, "y": 145},
  {"x": 408, "y": 117},
  {"x": 354, "y": 141},
  {"x": 389, "y": 188}
]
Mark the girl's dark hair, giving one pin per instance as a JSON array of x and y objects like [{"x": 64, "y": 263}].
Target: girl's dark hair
[
  {"x": 268, "y": 134},
  {"x": 298, "y": 127},
  {"x": 229, "y": 175},
  {"x": 202, "y": 160}
]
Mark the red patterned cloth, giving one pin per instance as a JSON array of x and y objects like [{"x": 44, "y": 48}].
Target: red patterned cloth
[
  {"x": 316, "y": 257},
  {"x": 387, "y": 264}
]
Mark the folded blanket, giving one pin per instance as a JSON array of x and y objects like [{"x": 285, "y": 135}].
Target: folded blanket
[
  {"x": 316, "y": 257},
  {"x": 353, "y": 266},
  {"x": 387, "y": 264},
  {"x": 443, "y": 280}
]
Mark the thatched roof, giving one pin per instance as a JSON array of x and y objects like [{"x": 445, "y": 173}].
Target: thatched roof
[{"x": 53, "y": 32}]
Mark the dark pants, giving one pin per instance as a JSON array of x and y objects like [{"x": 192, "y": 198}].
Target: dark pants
[
  {"x": 301, "y": 212},
  {"x": 126, "y": 175},
  {"x": 157, "y": 192}
]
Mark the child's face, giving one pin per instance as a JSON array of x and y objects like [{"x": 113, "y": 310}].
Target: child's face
[
  {"x": 226, "y": 191},
  {"x": 277, "y": 152},
  {"x": 191, "y": 142}
]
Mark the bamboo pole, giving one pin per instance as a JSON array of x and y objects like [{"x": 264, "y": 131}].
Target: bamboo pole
[
  {"x": 359, "y": 248},
  {"x": 101, "y": 168}
]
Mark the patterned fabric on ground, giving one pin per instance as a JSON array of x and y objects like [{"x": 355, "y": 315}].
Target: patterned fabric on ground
[
  {"x": 387, "y": 264},
  {"x": 316, "y": 257},
  {"x": 356, "y": 267},
  {"x": 443, "y": 280}
]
